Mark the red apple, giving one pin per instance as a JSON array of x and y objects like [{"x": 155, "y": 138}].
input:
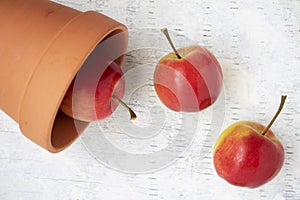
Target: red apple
[
  {"x": 190, "y": 79},
  {"x": 95, "y": 94},
  {"x": 248, "y": 154}
]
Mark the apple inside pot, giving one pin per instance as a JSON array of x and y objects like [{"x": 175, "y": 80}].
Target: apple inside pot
[{"x": 98, "y": 87}]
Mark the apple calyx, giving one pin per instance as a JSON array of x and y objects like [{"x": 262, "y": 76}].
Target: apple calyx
[
  {"x": 283, "y": 98},
  {"x": 165, "y": 31},
  {"x": 131, "y": 112}
]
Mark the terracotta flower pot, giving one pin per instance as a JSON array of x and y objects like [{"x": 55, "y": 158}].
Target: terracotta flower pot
[{"x": 42, "y": 46}]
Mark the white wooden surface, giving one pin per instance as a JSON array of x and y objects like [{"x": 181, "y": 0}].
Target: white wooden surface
[{"x": 258, "y": 44}]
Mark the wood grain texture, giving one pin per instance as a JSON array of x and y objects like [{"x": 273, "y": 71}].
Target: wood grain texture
[{"x": 258, "y": 45}]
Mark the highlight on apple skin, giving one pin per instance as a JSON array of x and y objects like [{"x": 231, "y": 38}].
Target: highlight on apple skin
[{"x": 189, "y": 79}]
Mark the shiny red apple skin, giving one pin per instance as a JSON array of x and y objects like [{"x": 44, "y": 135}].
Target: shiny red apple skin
[
  {"x": 91, "y": 98},
  {"x": 191, "y": 83},
  {"x": 244, "y": 157}
]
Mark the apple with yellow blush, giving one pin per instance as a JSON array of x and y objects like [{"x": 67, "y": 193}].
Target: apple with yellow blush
[{"x": 248, "y": 154}]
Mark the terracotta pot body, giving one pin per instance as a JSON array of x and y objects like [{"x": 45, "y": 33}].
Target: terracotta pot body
[{"x": 42, "y": 46}]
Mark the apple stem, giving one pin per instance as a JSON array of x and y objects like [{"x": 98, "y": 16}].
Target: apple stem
[
  {"x": 165, "y": 31},
  {"x": 283, "y": 98},
  {"x": 131, "y": 112}
]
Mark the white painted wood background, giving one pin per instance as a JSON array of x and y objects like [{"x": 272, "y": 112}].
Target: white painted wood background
[{"x": 258, "y": 44}]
